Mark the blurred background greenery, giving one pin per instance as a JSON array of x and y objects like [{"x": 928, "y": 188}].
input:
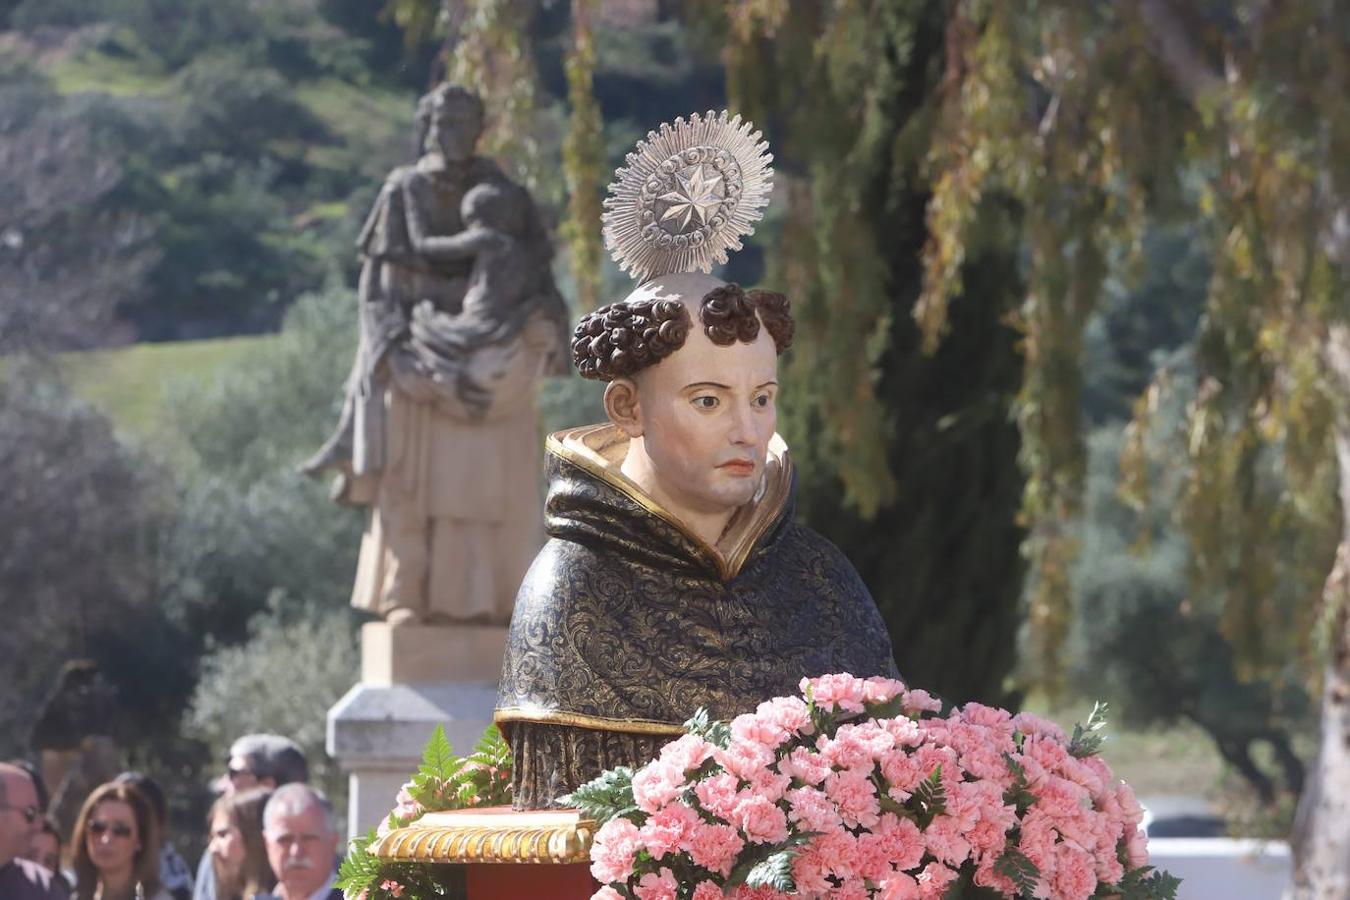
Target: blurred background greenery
[{"x": 1050, "y": 391}]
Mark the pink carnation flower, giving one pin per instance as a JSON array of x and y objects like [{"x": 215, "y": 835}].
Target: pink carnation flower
[
  {"x": 769, "y": 784},
  {"x": 842, "y": 691},
  {"x": 761, "y": 821},
  {"x": 669, "y": 829},
  {"x": 916, "y": 701},
  {"x": 882, "y": 690},
  {"x": 657, "y": 784},
  {"x": 945, "y": 841},
  {"x": 898, "y": 886},
  {"x": 405, "y": 806},
  {"x": 1031, "y": 724},
  {"x": 904, "y": 731},
  {"x": 1075, "y": 876},
  {"x": 657, "y": 886},
  {"x": 810, "y": 871},
  {"x": 715, "y": 847},
  {"x": 704, "y": 890},
  {"x": 1130, "y": 810},
  {"x": 688, "y": 752},
  {"x": 838, "y": 849},
  {"x": 855, "y": 796},
  {"x": 789, "y": 713},
  {"x": 805, "y": 765},
  {"x": 855, "y": 746},
  {"x": 934, "y": 879},
  {"x": 607, "y": 893},
  {"x": 1136, "y": 848},
  {"x": 901, "y": 841},
  {"x": 615, "y": 846},
  {"x": 744, "y": 759},
  {"x": 851, "y": 889},
  {"x": 719, "y": 794},
  {"x": 985, "y": 876},
  {"x": 750, "y": 728},
  {"x": 759, "y": 893},
  {"x": 811, "y": 810}
]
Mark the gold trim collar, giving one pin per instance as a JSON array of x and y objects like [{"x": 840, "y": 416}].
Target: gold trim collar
[{"x": 600, "y": 450}]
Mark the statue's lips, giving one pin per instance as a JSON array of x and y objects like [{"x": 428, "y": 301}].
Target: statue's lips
[{"x": 738, "y": 467}]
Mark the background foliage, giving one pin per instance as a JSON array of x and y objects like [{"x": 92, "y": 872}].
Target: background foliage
[{"x": 1036, "y": 256}]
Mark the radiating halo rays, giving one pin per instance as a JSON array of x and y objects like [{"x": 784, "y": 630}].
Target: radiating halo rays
[{"x": 687, "y": 195}]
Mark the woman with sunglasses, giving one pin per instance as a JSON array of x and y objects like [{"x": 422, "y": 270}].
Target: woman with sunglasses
[
  {"x": 116, "y": 846},
  {"x": 238, "y": 853}
]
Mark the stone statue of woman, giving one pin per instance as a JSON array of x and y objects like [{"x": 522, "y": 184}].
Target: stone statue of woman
[{"x": 459, "y": 319}]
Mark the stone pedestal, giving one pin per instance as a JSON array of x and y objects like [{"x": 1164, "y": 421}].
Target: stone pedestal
[{"x": 413, "y": 678}]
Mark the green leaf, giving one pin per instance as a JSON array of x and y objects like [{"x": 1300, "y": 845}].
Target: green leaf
[
  {"x": 490, "y": 769},
  {"x": 438, "y": 769},
  {"x": 1147, "y": 883},
  {"x": 892, "y": 708},
  {"x": 606, "y": 797},
  {"x": 360, "y": 870},
  {"x": 1018, "y": 793},
  {"x": 1087, "y": 740},
  {"x": 1018, "y": 867},
  {"x": 774, "y": 872},
  {"x": 703, "y": 725},
  {"x": 931, "y": 797}
]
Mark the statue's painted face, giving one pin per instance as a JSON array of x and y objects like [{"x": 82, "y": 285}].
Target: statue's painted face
[{"x": 706, "y": 414}]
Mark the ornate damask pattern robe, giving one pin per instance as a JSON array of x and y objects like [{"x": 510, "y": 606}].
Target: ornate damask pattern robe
[{"x": 627, "y": 623}]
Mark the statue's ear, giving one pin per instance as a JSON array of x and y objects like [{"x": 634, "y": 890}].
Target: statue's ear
[{"x": 622, "y": 406}]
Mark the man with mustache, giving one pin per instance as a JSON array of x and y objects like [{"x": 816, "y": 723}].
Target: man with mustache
[
  {"x": 301, "y": 843},
  {"x": 20, "y": 819}
]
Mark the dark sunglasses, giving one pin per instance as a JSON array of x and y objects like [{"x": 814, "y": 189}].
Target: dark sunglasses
[
  {"x": 119, "y": 829},
  {"x": 234, "y": 774},
  {"x": 30, "y": 813}
]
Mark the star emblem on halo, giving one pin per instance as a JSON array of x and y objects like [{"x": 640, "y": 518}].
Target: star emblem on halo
[{"x": 695, "y": 194}]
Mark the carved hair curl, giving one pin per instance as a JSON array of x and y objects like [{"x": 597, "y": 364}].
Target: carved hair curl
[{"x": 622, "y": 339}]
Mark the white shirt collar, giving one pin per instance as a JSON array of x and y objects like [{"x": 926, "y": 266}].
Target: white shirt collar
[{"x": 322, "y": 893}]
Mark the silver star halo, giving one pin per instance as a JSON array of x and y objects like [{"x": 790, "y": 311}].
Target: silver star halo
[{"x": 687, "y": 195}]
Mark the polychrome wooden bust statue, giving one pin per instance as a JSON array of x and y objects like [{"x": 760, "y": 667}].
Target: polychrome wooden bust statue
[{"x": 675, "y": 576}]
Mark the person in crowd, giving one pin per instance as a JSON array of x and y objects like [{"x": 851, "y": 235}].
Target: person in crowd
[
  {"x": 237, "y": 851},
  {"x": 301, "y": 843},
  {"x": 254, "y": 760},
  {"x": 45, "y": 850},
  {"x": 173, "y": 871},
  {"x": 20, "y": 815},
  {"x": 43, "y": 795},
  {"x": 116, "y": 846}
]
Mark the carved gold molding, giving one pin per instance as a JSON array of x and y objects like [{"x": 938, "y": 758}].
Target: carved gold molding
[{"x": 496, "y": 835}]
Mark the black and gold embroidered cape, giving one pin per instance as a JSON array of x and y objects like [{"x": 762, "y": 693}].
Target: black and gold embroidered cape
[{"x": 627, "y": 623}]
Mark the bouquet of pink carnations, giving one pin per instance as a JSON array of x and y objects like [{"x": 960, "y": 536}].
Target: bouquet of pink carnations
[{"x": 861, "y": 789}]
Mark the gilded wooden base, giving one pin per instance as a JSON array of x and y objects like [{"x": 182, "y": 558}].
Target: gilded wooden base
[{"x": 493, "y": 835}]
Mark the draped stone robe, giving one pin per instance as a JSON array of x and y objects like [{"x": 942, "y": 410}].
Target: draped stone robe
[{"x": 627, "y": 623}]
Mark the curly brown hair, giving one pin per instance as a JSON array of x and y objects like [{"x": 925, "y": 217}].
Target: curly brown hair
[{"x": 622, "y": 339}]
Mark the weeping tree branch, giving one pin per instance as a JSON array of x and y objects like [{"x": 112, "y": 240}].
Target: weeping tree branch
[{"x": 1177, "y": 49}]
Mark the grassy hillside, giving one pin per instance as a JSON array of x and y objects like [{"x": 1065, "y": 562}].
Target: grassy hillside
[{"x": 128, "y": 384}]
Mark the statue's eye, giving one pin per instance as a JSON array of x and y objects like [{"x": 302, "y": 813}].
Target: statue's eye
[
  {"x": 705, "y": 402},
  {"x": 762, "y": 400}
]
